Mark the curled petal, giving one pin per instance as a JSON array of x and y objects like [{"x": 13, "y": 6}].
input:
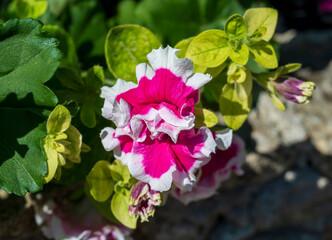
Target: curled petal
[
  {"x": 121, "y": 146},
  {"x": 160, "y": 162},
  {"x": 218, "y": 169},
  {"x": 224, "y": 138}
]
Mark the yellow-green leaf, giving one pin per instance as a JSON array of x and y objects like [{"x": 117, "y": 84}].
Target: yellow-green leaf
[
  {"x": 126, "y": 46},
  {"x": 204, "y": 117},
  {"x": 100, "y": 181},
  {"x": 75, "y": 139},
  {"x": 261, "y": 17},
  {"x": 235, "y": 27},
  {"x": 59, "y": 120},
  {"x": 263, "y": 53},
  {"x": 119, "y": 171},
  {"x": 52, "y": 159},
  {"x": 239, "y": 55},
  {"x": 30, "y": 8},
  {"x": 209, "y": 48},
  {"x": 289, "y": 68},
  {"x": 235, "y": 102},
  {"x": 120, "y": 209},
  {"x": 183, "y": 46},
  {"x": 236, "y": 73}
]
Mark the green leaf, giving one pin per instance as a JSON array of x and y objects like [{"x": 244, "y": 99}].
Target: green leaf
[
  {"x": 261, "y": 17},
  {"x": 263, "y": 53},
  {"x": 120, "y": 209},
  {"x": 235, "y": 27},
  {"x": 74, "y": 137},
  {"x": 95, "y": 78},
  {"x": 235, "y": 102},
  {"x": 215, "y": 86},
  {"x": 69, "y": 78},
  {"x": 183, "y": 46},
  {"x": 204, "y": 117},
  {"x": 126, "y": 46},
  {"x": 30, "y": 8},
  {"x": 23, "y": 162},
  {"x": 59, "y": 120},
  {"x": 88, "y": 113},
  {"x": 67, "y": 46},
  {"x": 239, "y": 55},
  {"x": 29, "y": 59},
  {"x": 119, "y": 171},
  {"x": 52, "y": 159},
  {"x": 209, "y": 48},
  {"x": 88, "y": 28},
  {"x": 236, "y": 73},
  {"x": 289, "y": 68},
  {"x": 100, "y": 181}
]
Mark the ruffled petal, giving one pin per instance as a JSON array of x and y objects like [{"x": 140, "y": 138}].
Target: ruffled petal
[
  {"x": 116, "y": 111},
  {"x": 152, "y": 162},
  {"x": 144, "y": 70},
  {"x": 121, "y": 145},
  {"x": 160, "y": 162},
  {"x": 224, "y": 138},
  {"x": 166, "y": 58},
  {"x": 218, "y": 169}
]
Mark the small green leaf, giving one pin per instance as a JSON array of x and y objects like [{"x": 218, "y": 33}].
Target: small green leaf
[
  {"x": 59, "y": 120},
  {"x": 183, "y": 46},
  {"x": 95, "y": 78},
  {"x": 209, "y": 48},
  {"x": 261, "y": 17},
  {"x": 30, "y": 8},
  {"x": 204, "y": 117},
  {"x": 120, "y": 209},
  {"x": 67, "y": 46},
  {"x": 289, "y": 68},
  {"x": 236, "y": 73},
  {"x": 215, "y": 85},
  {"x": 88, "y": 113},
  {"x": 235, "y": 102},
  {"x": 119, "y": 171},
  {"x": 239, "y": 55},
  {"x": 277, "y": 102},
  {"x": 52, "y": 159},
  {"x": 74, "y": 137},
  {"x": 29, "y": 58},
  {"x": 263, "y": 53},
  {"x": 235, "y": 27},
  {"x": 100, "y": 181},
  {"x": 126, "y": 46},
  {"x": 69, "y": 78}
]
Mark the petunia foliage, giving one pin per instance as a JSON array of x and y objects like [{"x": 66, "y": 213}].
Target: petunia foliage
[{"x": 118, "y": 115}]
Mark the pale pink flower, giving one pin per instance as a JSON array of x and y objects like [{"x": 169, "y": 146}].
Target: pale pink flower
[
  {"x": 154, "y": 121},
  {"x": 76, "y": 221},
  {"x": 217, "y": 170}
]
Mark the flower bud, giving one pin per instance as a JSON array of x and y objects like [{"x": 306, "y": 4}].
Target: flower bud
[
  {"x": 295, "y": 90},
  {"x": 143, "y": 201}
]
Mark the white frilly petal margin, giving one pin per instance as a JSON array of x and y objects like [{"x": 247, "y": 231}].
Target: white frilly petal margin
[
  {"x": 224, "y": 138},
  {"x": 117, "y": 112},
  {"x": 181, "y": 67},
  {"x": 110, "y": 142}
]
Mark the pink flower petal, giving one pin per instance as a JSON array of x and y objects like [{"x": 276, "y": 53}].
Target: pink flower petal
[
  {"x": 161, "y": 161},
  {"x": 218, "y": 169},
  {"x": 122, "y": 145}
]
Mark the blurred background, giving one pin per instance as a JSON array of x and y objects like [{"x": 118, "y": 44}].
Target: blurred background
[{"x": 286, "y": 191}]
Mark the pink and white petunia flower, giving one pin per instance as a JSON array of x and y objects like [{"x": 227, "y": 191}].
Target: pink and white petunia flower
[
  {"x": 154, "y": 134},
  {"x": 217, "y": 170},
  {"x": 162, "y": 102}
]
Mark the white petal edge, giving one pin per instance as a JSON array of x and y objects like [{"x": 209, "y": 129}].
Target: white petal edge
[
  {"x": 224, "y": 138},
  {"x": 136, "y": 169},
  {"x": 144, "y": 70},
  {"x": 166, "y": 58}
]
